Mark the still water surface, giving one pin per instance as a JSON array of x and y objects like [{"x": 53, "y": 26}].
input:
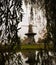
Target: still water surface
[{"x": 33, "y": 57}]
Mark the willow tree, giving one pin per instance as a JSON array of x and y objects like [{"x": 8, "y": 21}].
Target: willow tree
[
  {"x": 10, "y": 17},
  {"x": 50, "y": 7}
]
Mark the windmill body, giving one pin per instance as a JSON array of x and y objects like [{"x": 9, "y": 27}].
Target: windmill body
[{"x": 30, "y": 35}]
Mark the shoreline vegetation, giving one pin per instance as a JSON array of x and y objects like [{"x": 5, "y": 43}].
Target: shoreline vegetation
[
  {"x": 37, "y": 46},
  {"x": 27, "y": 47}
]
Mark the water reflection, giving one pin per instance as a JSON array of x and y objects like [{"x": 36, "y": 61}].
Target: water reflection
[
  {"x": 41, "y": 57},
  {"x": 33, "y": 57}
]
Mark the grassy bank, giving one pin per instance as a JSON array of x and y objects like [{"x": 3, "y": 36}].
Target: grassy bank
[
  {"x": 25, "y": 47},
  {"x": 37, "y": 46}
]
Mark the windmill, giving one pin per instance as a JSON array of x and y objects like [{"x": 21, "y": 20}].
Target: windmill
[{"x": 30, "y": 35}]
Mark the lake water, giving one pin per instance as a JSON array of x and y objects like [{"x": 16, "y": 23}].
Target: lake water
[{"x": 33, "y": 57}]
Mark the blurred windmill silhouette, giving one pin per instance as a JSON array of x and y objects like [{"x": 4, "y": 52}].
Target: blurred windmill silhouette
[{"x": 30, "y": 33}]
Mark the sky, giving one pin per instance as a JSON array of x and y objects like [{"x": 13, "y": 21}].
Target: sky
[{"x": 38, "y": 22}]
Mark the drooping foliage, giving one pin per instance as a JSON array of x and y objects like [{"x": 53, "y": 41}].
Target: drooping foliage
[
  {"x": 50, "y": 7},
  {"x": 10, "y": 17}
]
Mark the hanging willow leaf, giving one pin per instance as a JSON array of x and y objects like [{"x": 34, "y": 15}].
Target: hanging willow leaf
[{"x": 0, "y": 32}]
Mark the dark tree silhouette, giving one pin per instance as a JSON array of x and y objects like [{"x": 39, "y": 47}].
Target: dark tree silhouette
[
  {"x": 10, "y": 17},
  {"x": 50, "y": 7}
]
